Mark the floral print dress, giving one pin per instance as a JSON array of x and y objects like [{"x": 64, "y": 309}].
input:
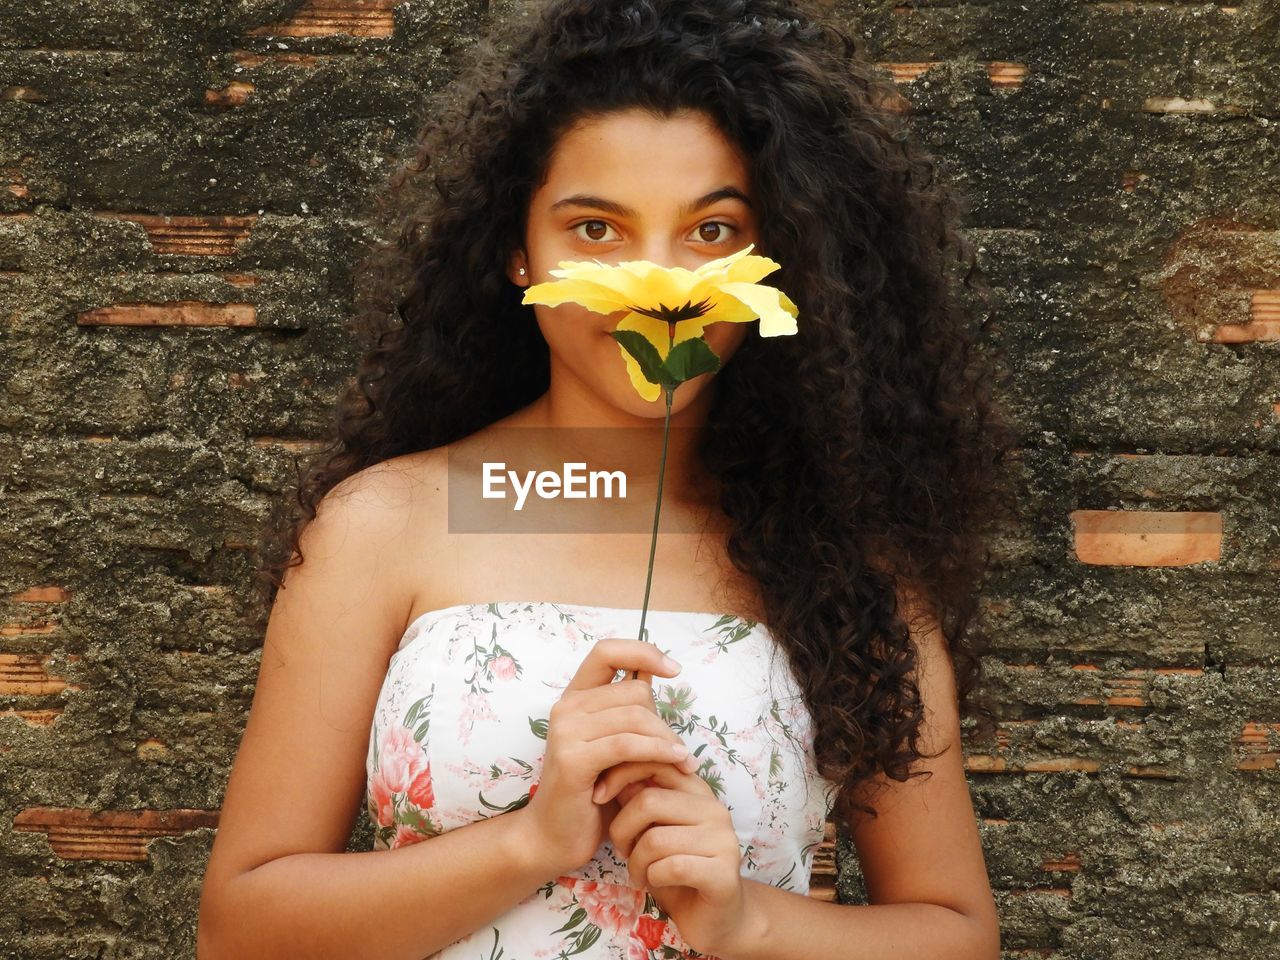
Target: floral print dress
[{"x": 459, "y": 734}]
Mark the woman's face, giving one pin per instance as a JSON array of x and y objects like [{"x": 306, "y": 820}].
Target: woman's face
[{"x": 630, "y": 186}]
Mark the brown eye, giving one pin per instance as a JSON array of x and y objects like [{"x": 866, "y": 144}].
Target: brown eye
[
  {"x": 592, "y": 225},
  {"x": 719, "y": 226}
]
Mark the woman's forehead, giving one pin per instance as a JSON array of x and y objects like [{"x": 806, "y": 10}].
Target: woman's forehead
[{"x": 631, "y": 155}]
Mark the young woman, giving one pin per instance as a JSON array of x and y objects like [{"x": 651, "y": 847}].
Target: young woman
[{"x": 469, "y": 689}]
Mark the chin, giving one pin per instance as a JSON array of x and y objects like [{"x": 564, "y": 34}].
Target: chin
[
  {"x": 651, "y": 410},
  {"x": 656, "y": 409},
  {"x": 622, "y": 395}
]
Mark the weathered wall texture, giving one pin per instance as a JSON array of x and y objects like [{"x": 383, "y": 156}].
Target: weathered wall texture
[{"x": 181, "y": 189}]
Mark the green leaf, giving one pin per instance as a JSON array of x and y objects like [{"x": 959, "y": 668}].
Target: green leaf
[
  {"x": 691, "y": 358},
  {"x": 646, "y": 355},
  {"x": 588, "y": 937},
  {"x": 417, "y": 709},
  {"x": 575, "y": 918}
]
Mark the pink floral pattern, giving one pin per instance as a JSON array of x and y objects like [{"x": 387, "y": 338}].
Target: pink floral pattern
[{"x": 486, "y": 676}]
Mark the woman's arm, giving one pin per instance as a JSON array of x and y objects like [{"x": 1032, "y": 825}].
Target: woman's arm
[
  {"x": 278, "y": 882},
  {"x": 382, "y": 904},
  {"x": 926, "y": 879}
]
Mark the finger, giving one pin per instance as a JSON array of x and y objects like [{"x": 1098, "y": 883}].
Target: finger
[
  {"x": 687, "y": 870},
  {"x": 654, "y": 806},
  {"x": 647, "y": 680},
  {"x": 688, "y": 768},
  {"x": 623, "y": 718},
  {"x": 668, "y": 776},
  {"x": 618, "y": 779},
  {"x": 597, "y": 756},
  {"x": 616, "y": 694},
  {"x": 634, "y": 782},
  {"x": 663, "y": 844},
  {"x": 624, "y": 795},
  {"x": 611, "y": 654},
  {"x": 671, "y": 840},
  {"x": 628, "y": 793}
]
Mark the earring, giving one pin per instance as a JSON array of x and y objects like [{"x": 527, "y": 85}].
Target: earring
[{"x": 522, "y": 271}]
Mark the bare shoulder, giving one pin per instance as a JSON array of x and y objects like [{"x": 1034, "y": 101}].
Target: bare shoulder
[
  {"x": 417, "y": 485},
  {"x": 364, "y": 540},
  {"x": 397, "y": 491}
]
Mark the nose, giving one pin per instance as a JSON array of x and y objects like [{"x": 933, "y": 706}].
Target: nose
[{"x": 662, "y": 251}]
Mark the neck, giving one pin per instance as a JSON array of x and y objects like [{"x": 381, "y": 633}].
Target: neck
[{"x": 588, "y": 428}]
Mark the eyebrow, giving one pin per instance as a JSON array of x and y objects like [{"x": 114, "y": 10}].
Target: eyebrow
[{"x": 610, "y": 206}]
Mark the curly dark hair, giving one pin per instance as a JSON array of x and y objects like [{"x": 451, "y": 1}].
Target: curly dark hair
[{"x": 857, "y": 461}]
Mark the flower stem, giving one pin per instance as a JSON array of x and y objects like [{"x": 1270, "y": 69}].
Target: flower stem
[{"x": 657, "y": 508}]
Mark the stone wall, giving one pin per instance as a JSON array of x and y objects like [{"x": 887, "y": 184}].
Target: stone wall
[{"x": 182, "y": 187}]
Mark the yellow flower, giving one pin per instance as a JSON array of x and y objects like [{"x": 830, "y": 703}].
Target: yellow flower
[{"x": 667, "y": 306}]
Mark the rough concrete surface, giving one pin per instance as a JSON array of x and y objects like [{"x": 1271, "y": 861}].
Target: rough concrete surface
[{"x": 1122, "y": 166}]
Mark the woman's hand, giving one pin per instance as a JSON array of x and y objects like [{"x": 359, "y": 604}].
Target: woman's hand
[
  {"x": 680, "y": 843},
  {"x": 595, "y": 724}
]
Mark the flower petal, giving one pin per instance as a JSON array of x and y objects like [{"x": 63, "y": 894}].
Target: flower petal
[
  {"x": 728, "y": 285},
  {"x": 655, "y": 331},
  {"x": 725, "y": 307},
  {"x": 742, "y": 266},
  {"x": 632, "y": 283},
  {"x": 776, "y": 311},
  {"x": 594, "y": 296},
  {"x": 724, "y": 263},
  {"x": 752, "y": 269}
]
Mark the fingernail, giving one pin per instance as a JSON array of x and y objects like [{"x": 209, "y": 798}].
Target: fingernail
[
  {"x": 671, "y": 665},
  {"x": 689, "y": 764},
  {"x": 598, "y": 793}
]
